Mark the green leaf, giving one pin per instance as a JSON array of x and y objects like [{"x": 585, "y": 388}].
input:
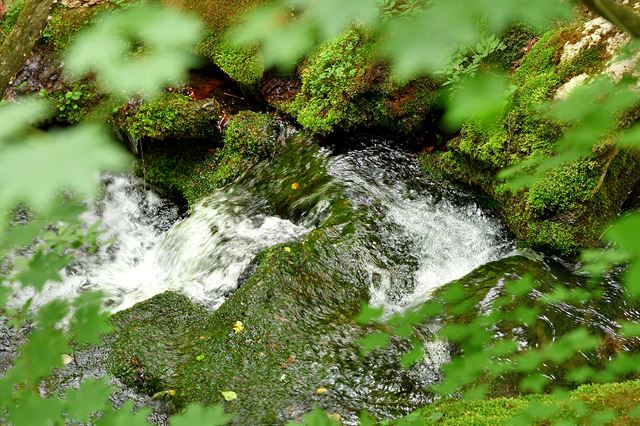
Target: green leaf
[
  {"x": 17, "y": 118},
  {"x": 91, "y": 397},
  {"x": 88, "y": 144},
  {"x": 42, "y": 268},
  {"x": 124, "y": 416},
  {"x": 167, "y": 37},
  {"x": 52, "y": 313},
  {"x": 482, "y": 98},
  {"x": 414, "y": 355},
  {"x": 229, "y": 395},
  {"x": 195, "y": 414},
  {"x": 90, "y": 321},
  {"x": 373, "y": 341},
  {"x": 31, "y": 409},
  {"x": 369, "y": 314}
]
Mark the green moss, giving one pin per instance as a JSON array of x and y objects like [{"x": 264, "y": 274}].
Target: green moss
[
  {"x": 243, "y": 65},
  {"x": 619, "y": 397},
  {"x": 251, "y": 134},
  {"x": 194, "y": 170},
  {"x": 172, "y": 116},
  {"x": 10, "y": 18},
  {"x": 150, "y": 338},
  {"x": 561, "y": 189},
  {"x": 562, "y": 211},
  {"x": 66, "y": 22},
  {"x": 331, "y": 77}
]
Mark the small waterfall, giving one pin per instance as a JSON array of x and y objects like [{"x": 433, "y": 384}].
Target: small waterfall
[
  {"x": 435, "y": 235},
  {"x": 147, "y": 249},
  {"x": 446, "y": 234}
]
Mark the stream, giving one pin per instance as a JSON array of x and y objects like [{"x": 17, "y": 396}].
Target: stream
[{"x": 402, "y": 237}]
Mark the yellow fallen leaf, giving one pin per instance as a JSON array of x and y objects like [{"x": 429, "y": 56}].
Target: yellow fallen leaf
[
  {"x": 238, "y": 327},
  {"x": 66, "y": 359},
  {"x": 295, "y": 185},
  {"x": 335, "y": 417},
  {"x": 321, "y": 391},
  {"x": 229, "y": 395}
]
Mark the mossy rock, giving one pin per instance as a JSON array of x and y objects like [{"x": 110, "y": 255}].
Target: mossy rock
[
  {"x": 243, "y": 65},
  {"x": 150, "y": 338},
  {"x": 14, "y": 8},
  {"x": 171, "y": 116},
  {"x": 567, "y": 208},
  {"x": 621, "y": 398},
  {"x": 345, "y": 88},
  {"x": 194, "y": 169}
]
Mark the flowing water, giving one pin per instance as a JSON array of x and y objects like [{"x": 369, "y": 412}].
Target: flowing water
[
  {"x": 402, "y": 237},
  {"x": 148, "y": 249}
]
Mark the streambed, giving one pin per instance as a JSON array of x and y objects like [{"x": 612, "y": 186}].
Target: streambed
[{"x": 292, "y": 249}]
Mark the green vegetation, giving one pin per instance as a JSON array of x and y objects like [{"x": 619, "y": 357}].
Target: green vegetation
[
  {"x": 10, "y": 18},
  {"x": 591, "y": 403},
  {"x": 172, "y": 116},
  {"x": 244, "y": 65},
  {"x": 194, "y": 170}
]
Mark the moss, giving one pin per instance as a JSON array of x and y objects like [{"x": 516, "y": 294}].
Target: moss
[
  {"x": 149, "y": 340},
  {"x": 251, "y": 134},
  {"x": 619, "y": 397},
  {"x": 172, "y": 116},
  {"x": 331, "y": 77},
  {"x": 10, "y": 18},
  {"x": 243, "y": 65},
  {"x": 562, "y": 211},
  {"x": 66, "y": 22},
  {"x": 194, "y": 170},
  {"x": 561, "y": 189}
]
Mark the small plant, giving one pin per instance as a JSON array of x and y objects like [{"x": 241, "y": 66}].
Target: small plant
[{"x": 466, "y": 62}]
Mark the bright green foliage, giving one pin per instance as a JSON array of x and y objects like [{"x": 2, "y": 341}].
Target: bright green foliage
[
  {"x": 198, "y": 415},
  {"x": 35, "y": 185},
  {"x": 172, "y": 116},
  {"x": 163, "y": 43}
]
